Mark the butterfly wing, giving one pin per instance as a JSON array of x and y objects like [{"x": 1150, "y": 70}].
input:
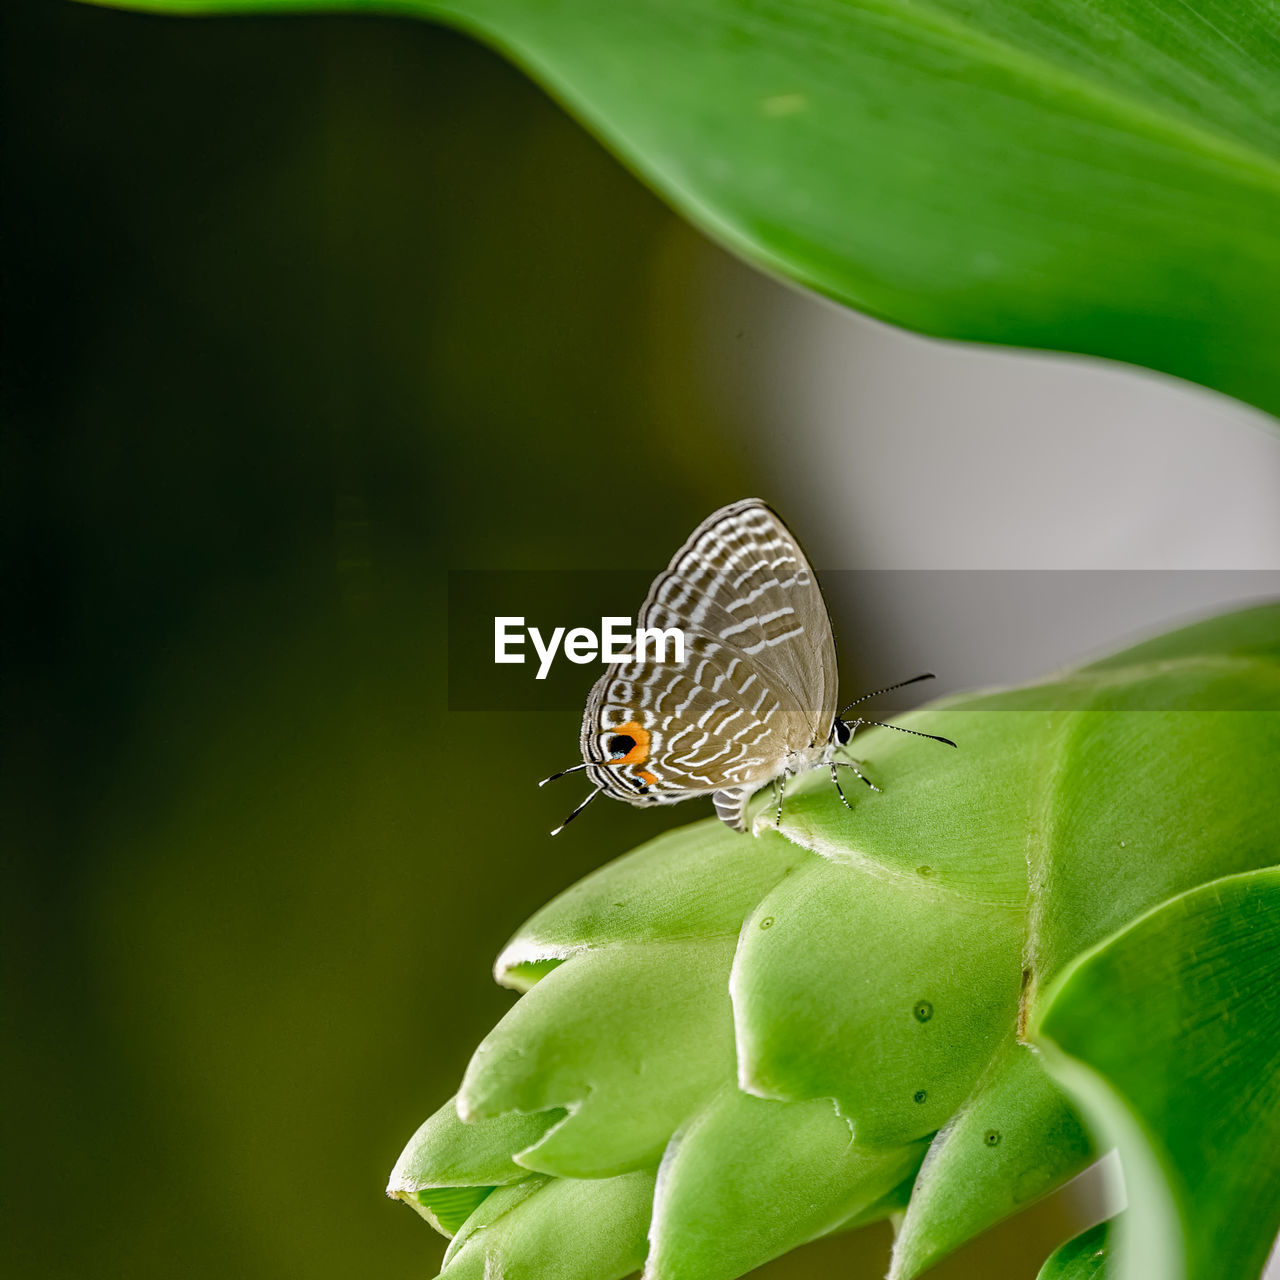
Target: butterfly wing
[
  {"x": 742, "y": 578},
  {"x": 688, "y": 728},
  {"x": 758, "y": 677}
]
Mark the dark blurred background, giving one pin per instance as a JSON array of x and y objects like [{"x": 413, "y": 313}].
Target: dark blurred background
[{"x": 300, "y": 315}]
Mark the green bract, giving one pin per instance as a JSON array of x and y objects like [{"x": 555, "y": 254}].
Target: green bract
[{"x": 729, "y": 1045}]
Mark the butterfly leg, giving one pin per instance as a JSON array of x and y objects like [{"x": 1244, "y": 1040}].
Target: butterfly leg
[
  {"x": 780, "y": 786},
  {"x": 845, "y": 764},
  {"x": 835, "y": 778}
]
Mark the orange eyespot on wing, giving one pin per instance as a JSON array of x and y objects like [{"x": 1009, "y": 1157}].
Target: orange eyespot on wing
[
  {"x": 628, "y": 744},
  {"x": 647, "y": 778}
]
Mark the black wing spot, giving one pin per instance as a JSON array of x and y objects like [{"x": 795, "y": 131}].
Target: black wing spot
[{"x": 620, "y": 744}]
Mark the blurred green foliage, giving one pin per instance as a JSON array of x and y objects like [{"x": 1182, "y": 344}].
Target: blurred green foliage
[{"x": 297, "y": 318}]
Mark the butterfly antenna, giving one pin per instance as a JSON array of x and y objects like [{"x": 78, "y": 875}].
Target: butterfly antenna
[
  {"x": 915, "y": 733},
  {"x": 562, "y": 773},
  {"x": 577, "y": 811},
  {"x": 889, "y": 688}
]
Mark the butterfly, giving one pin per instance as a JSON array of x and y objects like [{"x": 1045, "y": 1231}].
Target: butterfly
[{"x": 754, "y": 699}]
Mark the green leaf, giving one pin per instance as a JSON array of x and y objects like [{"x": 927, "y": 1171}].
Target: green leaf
[
  {"x": 561, "y": 1229},
  {"x": 1241, "y": 633},
  {"x": 1168, "y": 1036},
  {"x": 1101, "y": 179},
  {"x": 448, "y": 1168},
  {"x": 1142, "y": 805},
  {"x": 747, "y": 1179},
  {"x": 521, "y": 975},
  {"x": 446, "y": 1208},
  {"x": 968, "y": 807},
  {"x": 1084, "y": 1258},
  {"x": 447, "y": 1153},
  {"x": 888, "y": 995},
  {"x": 699, "y": 882},
  {"x": 889, "y": 1206},
  {"x": 500, "y": 1201},
  {"x": 628, "y": 1039},
  {"x": 1014, "y": 1140}
]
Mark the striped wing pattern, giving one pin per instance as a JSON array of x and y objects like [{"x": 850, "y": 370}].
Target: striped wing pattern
[{"x": 758, "y": 678}]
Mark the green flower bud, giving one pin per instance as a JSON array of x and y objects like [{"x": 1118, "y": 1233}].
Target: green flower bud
[{"x": 938, "y": 1005}]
